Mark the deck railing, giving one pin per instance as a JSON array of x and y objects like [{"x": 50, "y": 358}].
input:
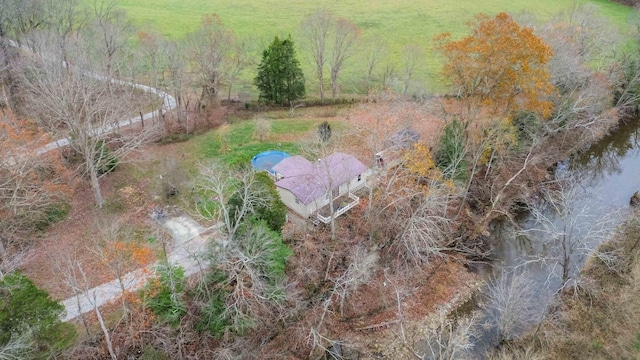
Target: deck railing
[{"x": 341, "y": 210}]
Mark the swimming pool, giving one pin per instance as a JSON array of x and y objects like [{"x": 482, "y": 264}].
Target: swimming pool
[{"x": 268, "y": 159}]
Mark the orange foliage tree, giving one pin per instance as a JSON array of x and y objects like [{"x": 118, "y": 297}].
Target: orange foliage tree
[
  {"x": 122, "y": 256},
  {"x": 500, "y": 66}
]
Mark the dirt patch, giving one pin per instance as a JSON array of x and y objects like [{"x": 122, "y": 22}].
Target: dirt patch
[{"x": 378, "y": 331}]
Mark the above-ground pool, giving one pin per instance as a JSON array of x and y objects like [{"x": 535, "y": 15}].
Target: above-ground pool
[{"x": 268, "y": 159}]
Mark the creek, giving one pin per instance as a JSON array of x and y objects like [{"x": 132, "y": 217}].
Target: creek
[{"x": 533, "y": 260}]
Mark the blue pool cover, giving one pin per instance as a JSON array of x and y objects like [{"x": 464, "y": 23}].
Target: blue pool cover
[{"x": 268, "y": 159}]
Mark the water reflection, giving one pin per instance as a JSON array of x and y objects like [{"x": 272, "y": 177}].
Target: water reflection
[
  {"x": 552, "y": 243},
  {"x": 605, "y": 157}
]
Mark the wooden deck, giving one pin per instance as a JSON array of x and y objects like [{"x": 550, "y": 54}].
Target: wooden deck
[{"x": 341, "y": 205}]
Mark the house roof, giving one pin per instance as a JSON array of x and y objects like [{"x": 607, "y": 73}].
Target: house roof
[
  {"x": 309, "y": 181},
  {"x": 293, "y": 166}
]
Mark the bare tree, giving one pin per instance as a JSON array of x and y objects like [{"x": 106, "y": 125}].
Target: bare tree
[
  {"x": 240, "y": 60},
  {"x": 362, "y": 263},
  {"x": 412, "y": 218},
  {"x": 263, "y": 127},
  {"x": 217, "y": 185},
  {"x": 424, "y": 224},
  {"x": 581, "y": 39},
  {"x": 389, "y": 76},
  {"x": 450, "y": 339},
  {"x": 17, "y": 18},
  {"x": 75, "y": 279},
  {"x": 119, "y": 253},
  {"x": 109, "y": 34},
  {"x": 31, "y": 185},
  {"x": 154, "y": 49},
  {"x": 345, "y": 35},
  {"x": 213, "y": 48},
  {"x": 330, "y": 40},
  {"x": 570, "y": 228},
  {"x": 105, "y": 330},
  {"x": 66, "y": 17},
  {"x": 178, "y": 78},
  {"x": 316, "y": 148},
  {"x": 247, "y": 265},
  {"x": 79, "y": 103},
  {"x": 20, "y": 346},
  {"x": 411, "y": 54},
  {"x": 514, "y": 303},
  {"x": 316, "y": 29},
  {"x": 374, "y": 53},
  {"x": 21, "y": 17}
]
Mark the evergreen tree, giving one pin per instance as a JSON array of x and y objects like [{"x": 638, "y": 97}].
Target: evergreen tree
[
  {"x": 280, "y": 79},
  {"x": 29, "y": 313}
]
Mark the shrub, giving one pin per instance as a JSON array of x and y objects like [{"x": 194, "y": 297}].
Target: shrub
[
  {"x": 527, "y": 126},
  {"x": 245, "y": 281},
  {"x": 273, "y": 211},
  {"x": 213, "y": 317},
  {"x": 41, "y": 219},
  {"x": 174, "y": 138},
  {"x": 450, "y": 152},
  {"x": 164, "y": 294},
  {"x": 104, "y": 159}
]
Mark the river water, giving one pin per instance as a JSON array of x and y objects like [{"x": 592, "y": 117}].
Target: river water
[{"x": 533, "y": 260}]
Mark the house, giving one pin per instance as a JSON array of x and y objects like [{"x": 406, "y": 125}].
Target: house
[{"x": 306, "y": 187}]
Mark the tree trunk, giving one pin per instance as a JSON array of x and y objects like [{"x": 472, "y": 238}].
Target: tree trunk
[
  {"x": 321, "y": 80},
  {"x": 332, "y": 216},
  {"x": 566, "y": 261},
  {"x": 334, "y": 84},
  {"x": 95, "y": 185},
  {"x": 105, "y": 331},
  {"x": 210, "y": 97}
]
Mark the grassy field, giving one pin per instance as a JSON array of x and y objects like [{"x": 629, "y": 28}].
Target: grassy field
[{"x": 396, "y": 22}]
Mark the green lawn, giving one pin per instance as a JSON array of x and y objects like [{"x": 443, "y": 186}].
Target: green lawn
[
  {"x": 236, "y": 144},
  {"x": 396, "y": 22}
]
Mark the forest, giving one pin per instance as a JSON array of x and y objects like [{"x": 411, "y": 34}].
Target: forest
[{"x": 135, "y": 223}]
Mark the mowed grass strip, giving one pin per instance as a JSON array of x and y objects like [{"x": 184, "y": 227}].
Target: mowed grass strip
[{"x": 397, "y": 23}]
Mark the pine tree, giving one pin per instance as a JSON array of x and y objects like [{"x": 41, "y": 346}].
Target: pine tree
[{"x": 280, "y": 79}]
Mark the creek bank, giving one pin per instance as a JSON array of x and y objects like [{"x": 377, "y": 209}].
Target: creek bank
[
  {"x": 600, "y": 318},
  {"x": 594, "y": 166}
]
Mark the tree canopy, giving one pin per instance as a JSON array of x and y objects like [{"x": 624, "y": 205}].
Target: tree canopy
[
  {"x": 28, "y": 311},
  {"x": 280, "y": 79},
  {"x": 501, "y": 65}
]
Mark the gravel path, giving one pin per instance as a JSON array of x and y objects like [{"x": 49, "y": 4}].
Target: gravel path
[
  {"x": 186, "y": 251},
  {"x": 168, "y": 103}
]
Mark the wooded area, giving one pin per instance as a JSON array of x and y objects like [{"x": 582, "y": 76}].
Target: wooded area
[{"x": 385, "y": 279}]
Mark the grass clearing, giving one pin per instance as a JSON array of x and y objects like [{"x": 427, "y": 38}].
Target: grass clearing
[
  {"x": 237, "y": 143},
  {"x": 397, "y": 23}
]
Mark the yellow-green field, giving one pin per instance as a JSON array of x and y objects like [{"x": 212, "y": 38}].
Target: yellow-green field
[{"x": 396, "y": 22}]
